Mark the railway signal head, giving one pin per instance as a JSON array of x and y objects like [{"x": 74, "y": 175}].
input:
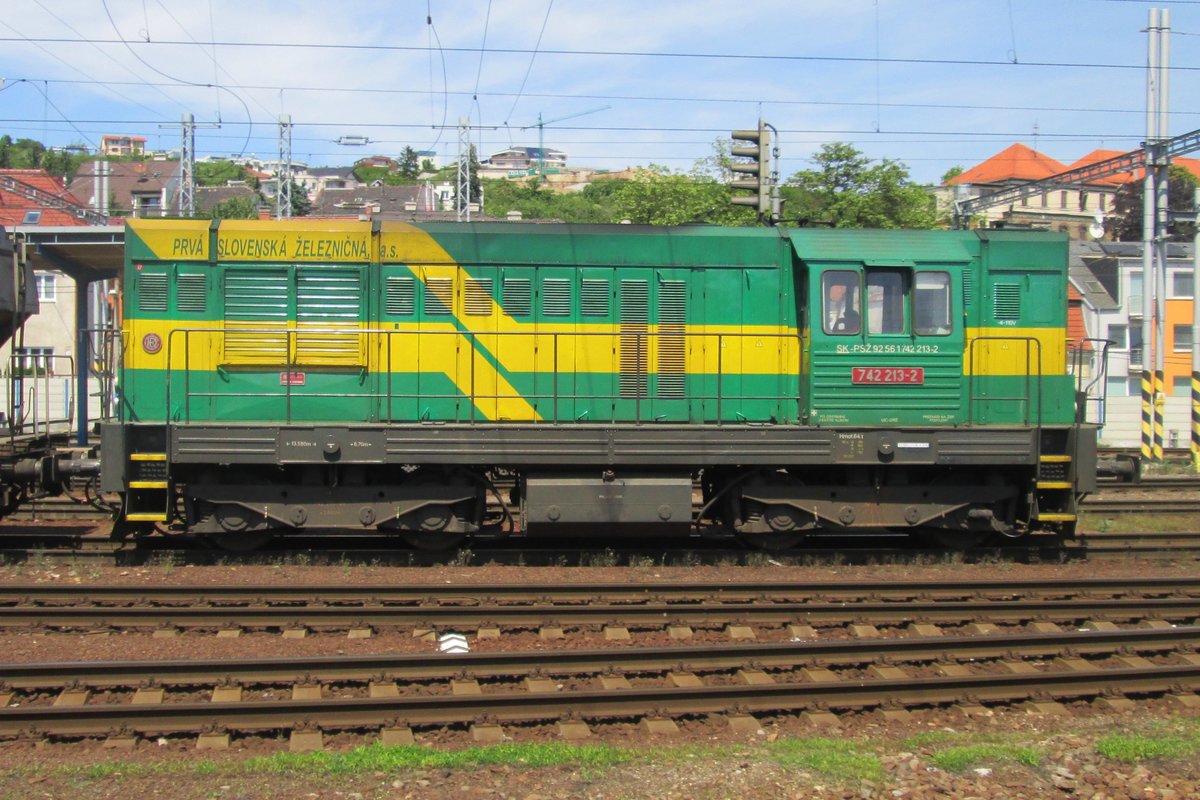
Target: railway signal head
[{"x": 758, "y": 169}]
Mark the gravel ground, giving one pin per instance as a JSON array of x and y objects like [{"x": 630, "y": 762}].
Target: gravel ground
[{"x": 704, "y": 761}]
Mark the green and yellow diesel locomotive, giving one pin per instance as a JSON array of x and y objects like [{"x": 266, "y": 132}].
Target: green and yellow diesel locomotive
[{"x": 289, "y": 375}]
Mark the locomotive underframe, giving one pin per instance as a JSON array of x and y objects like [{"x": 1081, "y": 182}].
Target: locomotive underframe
[{"x": 757, "y": 479}]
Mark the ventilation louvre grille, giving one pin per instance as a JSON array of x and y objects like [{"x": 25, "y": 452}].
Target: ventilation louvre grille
[
  {"x": 400, "y": 297},
  {"x": 192, "y": 292},
  {"x": 1006, "y": 301},
  {"x": 672, "y": 344},
  {"x": 479, "y": 297},
  {"x": 152, "y": 292},
  {"x": 518, "y": 298},
  {"x": 634, "y": 341},
  {"x": 439, "y": 296},
  {"x": 556, "y": 297}
]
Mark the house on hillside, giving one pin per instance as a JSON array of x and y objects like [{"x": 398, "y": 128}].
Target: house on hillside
[
  {"x": 129, "y": 188},
  {"x": 521, "y": 162},
  {"x": 424, "y": 201},
  {"x": 117, "y": 145},
  {"x": 317, "y": 179}
]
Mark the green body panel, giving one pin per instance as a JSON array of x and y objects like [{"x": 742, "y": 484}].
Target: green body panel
[{"x": 713, "y": 290}]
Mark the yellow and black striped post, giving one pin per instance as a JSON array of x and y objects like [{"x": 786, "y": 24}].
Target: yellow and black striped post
[
  {"x": 1160, "y": 412},
  {"x": 1196, "y": 420},
  {"x": 1147, "y": 415}
]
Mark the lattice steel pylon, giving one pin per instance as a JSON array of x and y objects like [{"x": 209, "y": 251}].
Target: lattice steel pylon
[
  {"x": 187, "y": 162},
  {"x": 462, "y": 190},
  {"x": 283, "y": 173},
  {"x": 187, "y": 166}
]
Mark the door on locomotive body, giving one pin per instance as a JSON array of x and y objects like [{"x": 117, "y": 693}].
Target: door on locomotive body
[
  {"x": 293, "y": 346},
  {"x": 886, "y": 344},
  {"x": 556, "y": 381},
  {"x": 516, "y": 346},
  {"x": 744, "y": 347},
  {"x": 650, "y": 343},
  {"x": 1016, "y": 358},
  {"x": 399, "y": 343},
  {"x": 487, "y": 376}
]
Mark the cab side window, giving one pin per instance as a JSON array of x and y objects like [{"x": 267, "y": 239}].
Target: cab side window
[
  {"x": 931, "y": 304},
  {"x": 841, "y": 302},
  {"x": 885, "y": 302}
]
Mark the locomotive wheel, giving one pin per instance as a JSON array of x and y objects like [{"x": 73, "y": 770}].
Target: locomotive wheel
[{"x": 432, "y": 520}]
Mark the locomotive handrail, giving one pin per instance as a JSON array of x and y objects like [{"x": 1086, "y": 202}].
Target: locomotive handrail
[
  {"x": 1099, "y": 378},
  {"x": 1026, "y": 340},
  {"x": 289, "y": 365},
  {"x": 39, "y": 395}
]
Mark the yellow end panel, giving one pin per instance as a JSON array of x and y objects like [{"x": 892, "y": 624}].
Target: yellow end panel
[
  {"x": 402, "y": 243},
  {"x": 276, "y": 241},
  {"x": 174, "y": 239},
  {"x": 1015, "y": 351}
]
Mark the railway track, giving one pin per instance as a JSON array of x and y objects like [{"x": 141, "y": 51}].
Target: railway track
[
  {"x": 553, "y": 610},
  {"x": 572, "y": 689}
]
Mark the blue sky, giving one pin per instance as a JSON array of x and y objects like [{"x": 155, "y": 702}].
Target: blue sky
[{"x": 932, "y": 84}]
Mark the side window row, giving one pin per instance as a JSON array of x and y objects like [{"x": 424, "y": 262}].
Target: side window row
[
  {"x": 889, "y": 301},
  {"x": 516, "y": 298}
]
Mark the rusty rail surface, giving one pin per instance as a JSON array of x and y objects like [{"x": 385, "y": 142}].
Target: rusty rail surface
[
  {"x": 653, "y": 614},
  {"x": 575, "y": 592},
  {"x": 1067, "y": 677}
]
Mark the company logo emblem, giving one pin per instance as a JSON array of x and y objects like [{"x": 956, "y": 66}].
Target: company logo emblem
[{"x": 152, "y": 343}]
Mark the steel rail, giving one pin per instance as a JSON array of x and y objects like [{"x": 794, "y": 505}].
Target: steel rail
[
  {"x": 649, "y": 614},
  {"x": 191, "y": 594},
  {"x": 519, "y": 706},
  {"x": 691, "y": 658}
]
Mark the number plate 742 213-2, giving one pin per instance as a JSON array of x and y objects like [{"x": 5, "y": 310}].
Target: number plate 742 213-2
[{"x": 887, "y": 374}]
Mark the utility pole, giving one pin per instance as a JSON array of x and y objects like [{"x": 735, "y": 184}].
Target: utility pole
[
  {"x": 1154, "y": 226},
  {"x": 1196, "y": 332},
  {"x": 462, "y": 194},
  {"x": 187, "y": 162},
  {"x": 283, "y": 174}
]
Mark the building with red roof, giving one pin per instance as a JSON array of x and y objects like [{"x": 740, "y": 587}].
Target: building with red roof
[
  {"x": 1075, "y": 210},
  {"x": 34, "y": 199}
]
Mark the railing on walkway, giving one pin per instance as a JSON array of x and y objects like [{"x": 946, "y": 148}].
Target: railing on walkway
[
  {"x": 1031, "y": 347},
  {"x": 643, "y": 369}
]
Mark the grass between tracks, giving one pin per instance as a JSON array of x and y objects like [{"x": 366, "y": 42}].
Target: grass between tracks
[
  {"x": 1180, "y": 739},
  {"x": 838, "y": 761}
]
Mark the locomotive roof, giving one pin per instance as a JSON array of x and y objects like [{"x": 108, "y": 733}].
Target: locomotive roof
[{"x": 506, "y": 243}]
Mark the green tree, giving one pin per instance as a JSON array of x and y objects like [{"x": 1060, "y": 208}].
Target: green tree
[
  {"x": 847, "y": 190},
  {"x": 656, "y": 196},
  {"x": 591, "y": 205},
  {"x": 301, "y": 204},
  {"x": 219, "y": 173},
  {"x": 236, "y": 208},
  {"x": 409, "y": 166},
  {"x": 1125, "y": 222},
  {"x": 25, "y": 154},
  {"x": 951, "y": 174}
]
